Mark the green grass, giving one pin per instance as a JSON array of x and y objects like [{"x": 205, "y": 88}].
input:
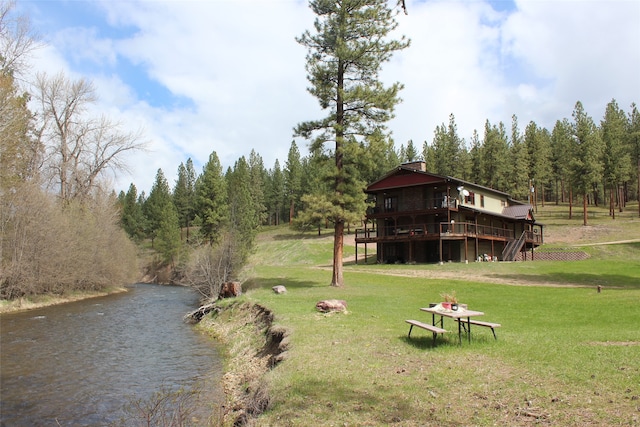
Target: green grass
[{"x": 565, "y": 355}]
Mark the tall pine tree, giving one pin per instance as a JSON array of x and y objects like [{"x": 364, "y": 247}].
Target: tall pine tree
[
  {"x": 293, "y": 179},
  {"x": 586, "y": 159},
  {"x": 184, "y": 194},
  {"x": 561, "y": 142},
  {"x": 519, "y": 174},
  {"x": 495, "y": 157},
  {"x": 616, "y": 159},
  {"x": 155, "y": 206},
  {"x": 212, "y": 208},
  {"x": 344, "y": 58},
  {"x": 633, "y": 135},
  {"x": 132, "y": 218}
]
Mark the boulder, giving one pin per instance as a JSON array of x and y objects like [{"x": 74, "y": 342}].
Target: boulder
[
  {"x": 328, "y": 305},
  {"x": 231, "y": 289},
  {"x": 280, "y": 289}
]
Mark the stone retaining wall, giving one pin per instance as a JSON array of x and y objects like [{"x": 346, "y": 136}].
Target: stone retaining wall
[{"x": 553, "y": 256}]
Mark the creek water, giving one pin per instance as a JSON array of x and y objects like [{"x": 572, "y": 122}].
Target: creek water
[{"x": 83, "y": 363}]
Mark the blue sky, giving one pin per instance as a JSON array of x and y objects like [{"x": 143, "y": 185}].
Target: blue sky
[{"x": 227, "y": 75}]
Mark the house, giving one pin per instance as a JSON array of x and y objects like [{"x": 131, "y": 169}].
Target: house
[{"x": 422, "y": 217}]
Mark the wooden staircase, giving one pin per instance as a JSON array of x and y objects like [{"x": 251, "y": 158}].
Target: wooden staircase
[{"x": 513, "y": 247}]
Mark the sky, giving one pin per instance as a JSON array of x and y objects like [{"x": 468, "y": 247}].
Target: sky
[{"x": 198, "y": 76}]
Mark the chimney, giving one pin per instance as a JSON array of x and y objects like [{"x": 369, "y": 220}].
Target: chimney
[{"x": 418, "y": 166}]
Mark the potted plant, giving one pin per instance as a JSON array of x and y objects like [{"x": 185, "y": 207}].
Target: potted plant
[{"x": 449, "y": 300}]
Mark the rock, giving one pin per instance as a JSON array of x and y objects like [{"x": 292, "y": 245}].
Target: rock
[
  {"x": 331, "y": 305},
  {"x": 280, "y": 289},
  {"x": 231, "y": 289}
]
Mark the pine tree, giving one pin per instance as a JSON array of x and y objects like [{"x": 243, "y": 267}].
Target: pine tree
[
  {"x": 586, "y": 159},
  {"x": 132, "y": 218},
  {"x": 633, "y": 141},
  {"x": 495, "y": 157},
  {"x": 212, "y": 207},
  {"x": 184, "y": 194},
  {"x": 155, "y": 205},
  {"x": 538, "y": 145},
  {"x": 343, "y": 63},
  {"x": 257, "y": 177},
  {"x": 616, "y": 156},
  {"x": 275, "y": 191},
  {"x": 244, "y": 219},
  {"x": 429, "y": 156},
  {"x": 560, "y": 156},
  {"x": 378, "y": 157},
  {"x": 168, "y": 240},
  {"x": 293, "y": 179},
  {"x": 475, "y": 154},
  {"x": 446, "y": 149},
  {"x": 411, "y": 153}
]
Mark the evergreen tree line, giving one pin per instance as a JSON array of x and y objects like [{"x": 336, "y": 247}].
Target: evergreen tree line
[
  {"x": 577, "y": 158},
  {"x": 59, "y": 222},
  {"x": 205, "y": 225}
]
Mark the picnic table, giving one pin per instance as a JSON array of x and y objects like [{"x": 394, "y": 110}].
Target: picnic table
[{"x": 458, "y": 315}]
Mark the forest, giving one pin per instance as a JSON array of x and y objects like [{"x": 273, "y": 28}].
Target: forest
[
  {"x": 63, "y": 228},
  {"x": 577, "y": 159}
]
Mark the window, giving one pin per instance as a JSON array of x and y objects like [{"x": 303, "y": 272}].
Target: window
[
  {"x": 470, "y": 199},
  {"x": 482, "y": 200},
  {"x": 389, "y": 204}
]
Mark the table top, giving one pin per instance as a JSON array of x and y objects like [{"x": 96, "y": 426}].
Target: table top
[{"x": 453, "y": 314}]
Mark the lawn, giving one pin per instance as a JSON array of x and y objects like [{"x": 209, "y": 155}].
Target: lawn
[{"x": 565, "y": 355}]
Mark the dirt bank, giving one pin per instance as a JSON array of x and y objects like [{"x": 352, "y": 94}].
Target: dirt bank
[{"x": 253, "y": 347}]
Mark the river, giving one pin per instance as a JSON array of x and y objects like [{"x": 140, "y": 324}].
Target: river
[{"x": 84, "y": 363}]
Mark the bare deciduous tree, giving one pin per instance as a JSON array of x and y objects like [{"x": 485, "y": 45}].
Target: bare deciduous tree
[
  {"x": 80, "y": 148},
  {"x": 17, "y": 40},
  {"x": 211, "y": 266}
]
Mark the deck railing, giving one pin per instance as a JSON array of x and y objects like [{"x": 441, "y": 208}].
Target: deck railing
[
  {"x": 455, "y": 229},
  {"x": 415, "y": 205}
]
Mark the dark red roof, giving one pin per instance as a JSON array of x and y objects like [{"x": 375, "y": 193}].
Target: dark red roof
[{"x": 404, "y": 178}]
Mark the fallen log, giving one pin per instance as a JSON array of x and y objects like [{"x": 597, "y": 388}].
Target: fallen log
[{"x": 197, "y": 315}]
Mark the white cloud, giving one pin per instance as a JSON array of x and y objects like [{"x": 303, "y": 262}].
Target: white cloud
[{"x": 237, "y": 65}]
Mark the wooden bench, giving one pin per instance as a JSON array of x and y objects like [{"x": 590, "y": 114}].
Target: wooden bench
[
  {"x": 434, "y": 329},
  {"x": 493, "y": 326}
]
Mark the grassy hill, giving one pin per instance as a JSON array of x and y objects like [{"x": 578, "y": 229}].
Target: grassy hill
[{"x": 565, "y": 355}]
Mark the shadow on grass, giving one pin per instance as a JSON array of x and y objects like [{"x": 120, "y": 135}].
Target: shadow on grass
[
  {"x": 611, "y": 281},
  {"x": 298, "y": 236},
  {"x": 270, "y": 282},
  {"x": 450, "y": 340},
  {"x": 371, "y": 260},
  {"x": 423, "y": 342}
]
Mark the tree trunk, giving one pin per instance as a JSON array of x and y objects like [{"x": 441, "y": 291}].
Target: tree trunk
[
  {"x": 570, "y": 203},
  {"x": 338, "y": 237},
  {"x": 291, "y": 211},
  {"x": 584, "y": 208},
  {"x": 337, "y": 278},
  {"x": 612, "y": 209}
]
